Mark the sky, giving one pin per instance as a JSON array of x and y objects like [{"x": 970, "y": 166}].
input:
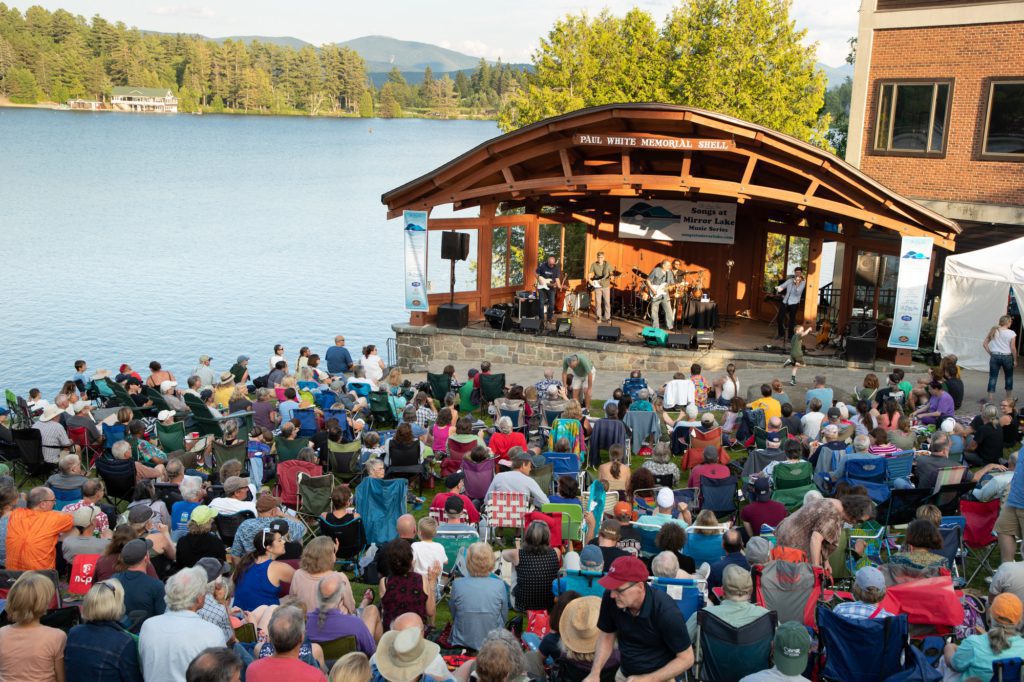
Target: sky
[{"x": 481, "y": 28}]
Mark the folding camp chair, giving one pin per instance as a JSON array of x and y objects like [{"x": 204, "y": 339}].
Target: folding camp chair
[
  {"x": 307, "y": 422},
  {"x": 605, "y": 433},
  {"x": 288, "y": 474},
  {"x": 336, "y": 648},
  {"x": 688, "y": 593},
  {"x": 687, "y": 495},
  {"x": 124, "y": 399},
  {"x": 246, "y": 634},
  {"x": 21, "y": 417},
  {"x": 899, "y": 466},
  {"x": 948, "y": 476},
  {"x": 545, "y": 476},
  {"x": 633, "y": 385},
  {"x": 584, "y": 582},
  {"x": 761, "y": 436},
  {"x": 227, "y": 525},
  {"x": 440, "y": 386},
  {"x": 757, "y": 460},
  {"x": 289, "y": 449},
  {"x": 171, "y": 438},
  {"x": 380, "y": 502},
  {"x": 478, "y": 477},
  {"x": 9, "y": 577},
  {"x": 517, "y": 417},
  {"x": 566, "y": 464},
  {"x": 694, "y": 456},
  {"x": 947, "y": 498},
  {"x": 457, "y": 452},
  {"x": 343, "y": 461},
  {"x": 792, "y": 590},
  {"x": 225, "y": 453},
  {"x": 702, "y": 547},
  {"x": 901, "y": 507},
  {"x": 492, "y": 387},
  {"x": 157, "y": 398},
  {"x": 118, "y": 477},
  {"x": 113, "y": 433},
  {"x": 1007, "y": 669},
  {"x": 728, "y": 653},
  {"x": 65, "y": 497},
  {"x": 506, "y": 510},
  {"x": 792, "y": 481},
  {"x": 313, "y": 498},
  {"x": 870, "y": 473},
  {"x": 82, "y": 568},
  {"x": 380, "y": 409},
  {"x": 642, "y": 426},
  {"x": 719, "y": 495},
  {"x": 979, "y": 540},
  {"x": 209, "y": 425},
  {"x": 80, "y": 437},
  {"x": 30, "y": 445},
  {"x": 404, "y": 462},
  {"x": 952, "y": 534},
  {"x": 572, "y": 519},
  {"x": 556, "y": 522},
  {"x": 350, "y": 535},
  {"x": 647, "y": 536},
  {"x": 861, "y": 648}
]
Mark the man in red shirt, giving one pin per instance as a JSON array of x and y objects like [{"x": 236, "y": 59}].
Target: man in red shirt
[
  {"x": 456, "y": 488},
  {"x": 711, "y": 468},
  {"x": 762, "y": 510},
  {"x": 287, "y": 630}
]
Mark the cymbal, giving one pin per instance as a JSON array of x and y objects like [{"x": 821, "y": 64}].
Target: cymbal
[
  {"x": 639, "y": 273},
  {"x": 615, "y": 273}
]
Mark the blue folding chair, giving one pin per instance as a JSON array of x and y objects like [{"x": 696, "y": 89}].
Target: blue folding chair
[
  {"x": 307, "y": 422},
  {"x": 325, "y": 399},
  {"x": 899, "y": 465},
  {"x": 113, "y": 434},
  {"x": 870, "y": 473},
  {"x": 308, "y": 385},
  {"x": 342, "y": 418},
  {"x": 704, "y": 548},
  {"x": 718, "y": 495},
  {"x": 687, "y": 593},
  {"x": 584, "y": 582},
  {"x": 1007, "y": 669},
  {"x": 860, "y": 649},
  {"x": 647, "y": 534},
  {"x": 633, "y": 385},
  {"x": 65, "y": 497}
]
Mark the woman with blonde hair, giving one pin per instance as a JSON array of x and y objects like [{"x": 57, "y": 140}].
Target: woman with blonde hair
[
  {"x": 100, "y": 648},
  {"x": 352, "y": 667},
  {"x": 31, "y": 652},
  {"x": 239, "y": 400},
  {"x": 316, "y": 563}
]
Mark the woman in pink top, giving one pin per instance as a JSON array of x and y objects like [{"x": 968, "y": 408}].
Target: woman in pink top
[
  {"x": 439, "y": 431},
  {"x": 32, "y": 652},
  {"x": 889, "y": 416}
]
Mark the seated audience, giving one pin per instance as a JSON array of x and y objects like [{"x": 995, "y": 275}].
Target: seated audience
[
  {"x": 868, "y": 593},
  {"x": 100, "y": 648},
  {"x": 536, "y": 565},
  {"x": 478, "y": 602}
]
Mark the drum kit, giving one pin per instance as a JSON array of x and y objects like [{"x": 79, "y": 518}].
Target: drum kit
[{"x": 634, "y": 301}]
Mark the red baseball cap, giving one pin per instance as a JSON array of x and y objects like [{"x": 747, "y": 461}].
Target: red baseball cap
[{"x": 625, "y": 569}]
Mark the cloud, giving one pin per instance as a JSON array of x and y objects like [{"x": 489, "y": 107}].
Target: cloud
[{"x": 198, "y": 11}]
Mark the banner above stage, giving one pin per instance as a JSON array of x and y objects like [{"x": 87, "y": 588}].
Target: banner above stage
[{"x": 678, "y": 221}]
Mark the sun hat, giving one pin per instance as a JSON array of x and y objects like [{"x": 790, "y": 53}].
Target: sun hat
[
  {"x": 203, "y": 358},
  {"x": 625, "y": 569},
  {"x": 869, "y": 576},
  {"x": 266, "y": 502},
  {"x": 737, "y": 580},
  {"x": 226, "y": 377},
  {"x": 163, "y": 415},
  {"x": 403, "y": 655},
  {"x": 135, "y": 551},
  {"x": 81, "y": 406},
  {"x": 578, "y": 624},
  {"x": 203, "y": 514},
  {"x": 762, "y": 489},
  {"x": 666, "y": 498},
  {"x": 84, "y": 516},
  {"x": 1006, "y": 609},
  {"x": 164, "y": 385},
  {"x": 234, "y": 483},
  {"x": 792, "y": 645},
  {"x": 49, "y": 412},
  {"x": 591, "y": 558},
  {"x": 140, "y": 513}
]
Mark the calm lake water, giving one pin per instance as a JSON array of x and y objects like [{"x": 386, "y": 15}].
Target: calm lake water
[{"x": 130, "y": 238}]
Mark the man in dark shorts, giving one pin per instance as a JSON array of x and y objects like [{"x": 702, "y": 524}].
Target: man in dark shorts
[
  {"x": 648, "y": 625},
  {"x": 796, "y": 351}
]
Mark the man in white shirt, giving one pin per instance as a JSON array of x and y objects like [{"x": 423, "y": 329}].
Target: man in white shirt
[
  {"x": 518, "y": 479},
  {"x": 679, "y": 392},
  {"x": 810, "y": 423},
  {"x": 169, "y": 642},
  {"x": 792, "y": 291},
  {"x": 207, "y": 377},
  {"x": 235, "y": 492}
]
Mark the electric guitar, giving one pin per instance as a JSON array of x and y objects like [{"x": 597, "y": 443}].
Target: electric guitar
[
  {"x": 662, "y": 290},
  {"x": 546, "y": 283}
]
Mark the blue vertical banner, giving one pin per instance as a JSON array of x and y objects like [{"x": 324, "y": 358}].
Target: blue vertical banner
[
  {"x": 911, "y": 286},
  {"x": 415, "y": 259}
]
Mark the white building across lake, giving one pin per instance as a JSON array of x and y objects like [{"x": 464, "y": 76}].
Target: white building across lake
[{"x": 153, "y": 100}]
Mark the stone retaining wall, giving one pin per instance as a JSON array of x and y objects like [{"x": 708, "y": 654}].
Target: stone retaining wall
[{"x": 428, "y": 348}]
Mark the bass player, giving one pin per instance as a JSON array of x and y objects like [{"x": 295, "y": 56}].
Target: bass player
[{"x": 548, "y": 276}]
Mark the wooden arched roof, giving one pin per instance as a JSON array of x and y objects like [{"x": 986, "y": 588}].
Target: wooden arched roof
[{"x": 554, "y": 162}]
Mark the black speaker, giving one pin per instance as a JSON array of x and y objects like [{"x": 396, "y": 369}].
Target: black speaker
[
  {"x": 530, "y": 325},
  {"x": 860, "y": 350},
  {"x": 452, "y": 315},
  {"x": 454, "y": 245},
  {"x": 705, "y": 339},
  {"x": 499, "y": 317},
  {"x": 677, "y": 341},
  {"x": 610, "y": 334},
  {"x": 863, "y": 329}
]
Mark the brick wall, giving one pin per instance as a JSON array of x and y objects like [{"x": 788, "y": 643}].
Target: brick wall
[{"x": 971, "y": 55}]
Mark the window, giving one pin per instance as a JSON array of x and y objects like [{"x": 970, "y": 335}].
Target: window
[
  {"x": 507, "y": 243},
  {"x": 1004, "y": 120},
  {"x": 783, "y": 255},
  {"x": 913, "y": 118},
  {"x": 566, "y": 242},
  {"x": 439, "y": 270}
]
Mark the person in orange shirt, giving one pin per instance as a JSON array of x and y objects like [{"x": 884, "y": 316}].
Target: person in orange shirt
[{"x": 32, "y": 533}]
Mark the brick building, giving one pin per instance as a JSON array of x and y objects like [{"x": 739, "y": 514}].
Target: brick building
[{"x": 937, "y": 110}]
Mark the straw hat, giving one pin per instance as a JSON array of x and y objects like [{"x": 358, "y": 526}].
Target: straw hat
[
  {"x": 578, "y": 624},
  {"x": 403, "y": 655},
  {"x": 49, "y": 412}
]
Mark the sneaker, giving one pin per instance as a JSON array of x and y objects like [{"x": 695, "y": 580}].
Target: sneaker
[{"x": 792, "y": 381}]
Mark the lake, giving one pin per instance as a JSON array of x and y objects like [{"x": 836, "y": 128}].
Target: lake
[{"x": 132, "y": 238}]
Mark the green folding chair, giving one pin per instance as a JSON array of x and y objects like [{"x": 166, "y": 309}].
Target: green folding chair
[
  {"x": 209, "y": 425},
  {"x": 337, "y": 648},
  {"x": 171, "y": 438},
  {"x": 492, "y": 387},
  {"x": 157, "y": 398},
  {"x": 124, "y": 398},
  {"x": 343, "y": 460},
  {"x": 289, "y": 449},
  {"x": 380, "y": 409},
  {"x": 761, "y": 436},
  {"x": 544, "y": 475},
  {"x": 225, "y": 453},
  {"x": 792, "y": 481},
  {"x": 572, "y": 518},
  {"x": 313, "y": 499},
  {"x": 440, "y": 386}
]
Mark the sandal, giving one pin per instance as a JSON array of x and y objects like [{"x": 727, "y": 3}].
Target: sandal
[{"x": 373, "y": 597}]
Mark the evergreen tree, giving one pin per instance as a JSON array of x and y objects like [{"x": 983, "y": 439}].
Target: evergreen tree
[{"x": 21, "y": 86}]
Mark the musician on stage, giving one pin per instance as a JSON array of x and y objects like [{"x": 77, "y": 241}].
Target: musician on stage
[
  {"x": 792, "y": 291},
  {"x": 551, "y": 274},
  {"x": 661, "y": 275},
  {"x": 600, "y": 273}
]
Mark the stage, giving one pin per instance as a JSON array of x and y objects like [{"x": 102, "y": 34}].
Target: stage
[{"x": 424, "y": 348}]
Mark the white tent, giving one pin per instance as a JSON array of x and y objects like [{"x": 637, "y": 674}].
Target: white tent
[{"x": 974, "y": 296}]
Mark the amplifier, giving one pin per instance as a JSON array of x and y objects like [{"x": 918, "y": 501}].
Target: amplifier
[
  {"x": 499, "y": 316},
  {"x": 677, "y": 341},
  {"x": 705, "y": 339},
  {"x": 530, "y": 325},
  {"x": 654, "y": 336},
  {"x": 860, "y": 350},
  {"x": 452, "y": 316},
  {"x": 611, "y": 334}
]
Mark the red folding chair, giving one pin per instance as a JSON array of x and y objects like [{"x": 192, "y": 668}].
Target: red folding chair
[
  {"x": 553, "y": 521},
  {"x": 82, "y": 569},
  {"x": 979, "y": 540},
  {"x": 80, "y": 437}
]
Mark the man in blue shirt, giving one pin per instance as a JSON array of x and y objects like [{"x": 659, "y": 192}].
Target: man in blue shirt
[
  {"x": 821, "y": 392},
  {"x": 286, "y": 408},
  {"x": 550, "y": 271},
  {"x": 339, "y": 360}
]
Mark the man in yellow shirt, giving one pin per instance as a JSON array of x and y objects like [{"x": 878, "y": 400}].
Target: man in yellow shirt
[{"x": 771, "y": 406}]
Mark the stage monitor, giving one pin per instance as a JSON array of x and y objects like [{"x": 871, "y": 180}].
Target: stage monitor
[
  {"x": 529, "y": 325},
  {"x": 705, "y": 339},
  {"x": 499, "y": 317},
  {"x": 860, "y": 349},
  {"x": 677, "y": 341},
  {"x": 610, "y": 334},
  {"x": 563, "y": 327}
]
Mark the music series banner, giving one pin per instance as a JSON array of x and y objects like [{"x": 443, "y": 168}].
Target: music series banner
[
  {"x": 678, "y": 221},
  {"x": 911, "y": 286},
  {"x": 415, "y": 259}
]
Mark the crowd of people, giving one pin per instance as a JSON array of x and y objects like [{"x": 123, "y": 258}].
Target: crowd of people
[{"x": 162, "y": 587}]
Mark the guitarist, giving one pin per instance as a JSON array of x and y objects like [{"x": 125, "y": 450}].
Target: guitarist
[
  {"x": 600, "y": 275},
  {"x": 659, "y": 282},
  {"x": 548, "y": 276}
]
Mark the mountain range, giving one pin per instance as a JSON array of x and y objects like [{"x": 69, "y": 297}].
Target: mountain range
[{"x": 382, "y": 53}]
